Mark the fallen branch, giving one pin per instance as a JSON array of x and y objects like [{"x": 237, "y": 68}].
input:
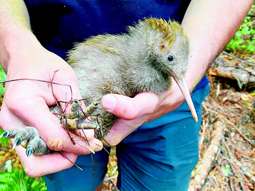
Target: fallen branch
[
  {"x": 238, "y": 164},
  {"x": 205, "y": 164},
  {"x": 231, "y": 67}
]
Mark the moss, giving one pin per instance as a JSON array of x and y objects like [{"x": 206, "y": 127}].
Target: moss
[{"x": 244, "y": 39}]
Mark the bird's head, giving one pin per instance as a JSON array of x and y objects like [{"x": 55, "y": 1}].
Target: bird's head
[
  {"x": 169, "y": 48},
  {"x": 169, "y": 53}
]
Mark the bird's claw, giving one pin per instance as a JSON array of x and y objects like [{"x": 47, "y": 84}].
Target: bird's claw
[
  {"x": 80, "y": 118},
  {"x": 29, "y": 151},
  {"x": 8, "y": 134},
  {"x": 16, "y": 142},
  {"x": 29, "y": 139}
]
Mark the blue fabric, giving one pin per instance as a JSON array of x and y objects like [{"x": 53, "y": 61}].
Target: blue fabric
[
  {"x": 60, "y": 23},
  {"x": 159, "y": 156},
  {"x": 75, "y": 180}
]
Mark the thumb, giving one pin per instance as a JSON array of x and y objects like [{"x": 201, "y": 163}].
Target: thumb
[
  {"x": 130, "y": 108},
  {"x": 37, "y": 166}
]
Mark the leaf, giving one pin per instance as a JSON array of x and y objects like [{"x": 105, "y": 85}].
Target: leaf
[
  {"x": 240, "y": 42},
  {"x": 18, "y": 181},
  {"x": 4, "y": 142},
  {"x": 226, "y": 170},
  {"x": 8, "y": 166},
  {"x": 2, "y": 78}
]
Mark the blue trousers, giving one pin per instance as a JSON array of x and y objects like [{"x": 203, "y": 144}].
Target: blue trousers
[{"x": 158, "y": 156}]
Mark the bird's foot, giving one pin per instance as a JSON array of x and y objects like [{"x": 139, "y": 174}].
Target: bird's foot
[
  {"x": 78, "y": 109},
  {"x": 28, "y": 138},
  {"x": 75, "y": 124},
  {"x": 81, "y": 117}
]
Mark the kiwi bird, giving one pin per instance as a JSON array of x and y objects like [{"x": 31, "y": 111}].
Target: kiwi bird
[{"x": 145, "y": 59}]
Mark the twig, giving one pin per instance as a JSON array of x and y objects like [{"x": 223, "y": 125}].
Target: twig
[
  {"x": 235, "y": 169},
  {"x": 238, "y": 164},
  {"x": 224, "y": 117},
  {"x": 234, "y": 57},
  {"x": 204, "y": 166},
  {"x": 240, "y": 133}
]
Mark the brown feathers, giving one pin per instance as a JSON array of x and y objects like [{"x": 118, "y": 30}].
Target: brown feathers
[{"x": 168, "y": 29}]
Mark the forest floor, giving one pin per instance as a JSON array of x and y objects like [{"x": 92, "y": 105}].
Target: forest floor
[{"x": 227, "y": 144}]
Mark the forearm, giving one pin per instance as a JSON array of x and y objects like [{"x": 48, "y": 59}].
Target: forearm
[
  {"x": 209, "y": 26},
  {"x": 14, "y": 29},
  {"x": 13, "y": 12}
]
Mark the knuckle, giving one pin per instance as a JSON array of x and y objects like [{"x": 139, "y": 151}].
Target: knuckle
[
  {"x": 114, "y": 143},
  {"x": 70, "y": 164},
  {"x": 2, "y": 125},
  {"x": 130, "y": 112},
  {"x": 2, "y": 121},
  {"x": 55, "y": 144},
  {"x": 30, "y": 170},
  {"x": 110, "y": 142},
  {"x": 5, "y": 119},
  {"x": 14, "y": 103},
  {"x": 19, "y": 105}
]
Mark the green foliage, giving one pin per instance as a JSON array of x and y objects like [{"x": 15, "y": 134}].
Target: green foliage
[
  {"x": 2, "y": 78},
  {"x": 4, "y": 142},
  {"x": 17, "y": 180},
  {"x": 226, "y": 170},
  {"x": 244, "y": 39}
]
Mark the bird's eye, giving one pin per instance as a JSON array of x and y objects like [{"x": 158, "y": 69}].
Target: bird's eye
[
  {"x": 170, "y": 58},
  {"x": 162, "y": 46}
]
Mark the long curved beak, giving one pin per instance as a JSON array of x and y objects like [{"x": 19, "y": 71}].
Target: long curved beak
[{"x": 185, "y": 91}]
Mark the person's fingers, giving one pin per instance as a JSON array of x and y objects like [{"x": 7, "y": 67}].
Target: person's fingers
[
  {"x": 122, "y": 128},
  {"x": 64, "y": 87},
  {"x": 36, "y": 166},
  {"x": 7, "y": 120},
  {"x": 130, "y": 108},
  {"x": 133, "y": 112},
  {"x": 68, "y": 95},
  {"x": 170, "y": 100},
  {"x": 36, "y": 113}
]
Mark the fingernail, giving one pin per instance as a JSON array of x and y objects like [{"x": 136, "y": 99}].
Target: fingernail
[
  {"x": 16, "y": 143},
  {"x": 29, "y": 151},
  {"x": 55, "y": 144},
  {"x": 109, "y": 102},
  {"x": 97, "y": 145}
]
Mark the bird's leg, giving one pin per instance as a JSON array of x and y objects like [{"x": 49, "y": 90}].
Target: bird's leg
[
  {"x": 105, "y": 121},
  {"x": 75, "y": 124},
  {"x": 81, "y": 118},
  {"x": 91, "y": 117},
  {"x": 29, "y": 138},
  {"x": 91, "y": 108}
]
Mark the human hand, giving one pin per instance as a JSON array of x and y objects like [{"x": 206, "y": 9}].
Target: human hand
[
  {"x": 26, "y": 103},
  {"x": 133, "y": 112}
]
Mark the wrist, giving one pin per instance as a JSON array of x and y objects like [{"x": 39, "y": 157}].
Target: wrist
[
  {"x": 16, "y": 43},
  {"x": 197, "y": 67}
]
